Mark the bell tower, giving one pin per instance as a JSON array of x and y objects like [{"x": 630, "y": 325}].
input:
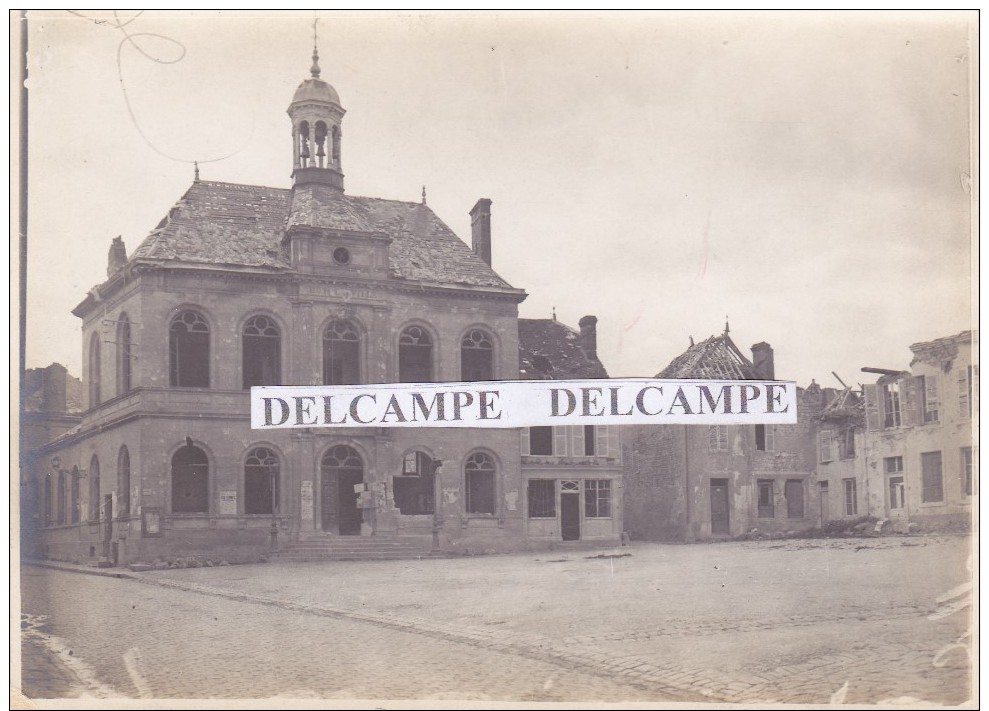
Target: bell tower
[{"x": 316, "y": 117}]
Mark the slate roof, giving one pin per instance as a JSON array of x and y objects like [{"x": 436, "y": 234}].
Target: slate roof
[
  {"x": 226, "y": 224},
  {"x": 717, "y": 358},
  {"x": 550, "y": 350}
]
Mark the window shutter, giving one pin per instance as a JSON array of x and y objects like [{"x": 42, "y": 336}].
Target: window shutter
[
  {"x": 932, "y": 392},
  {"x": 770, "y": 438},
  {"x": 824, "y": 445},
  {"x": 578, "y": 440},
  {"x": 964, "y": 407},
  {"x": 912, "y": 405},
  {"x": 873, "y": 407},
  {"x": 614, "y": 443},
  {"x": 559, "y": 441},
  {"x": 601, "y": 448},
  {"x": 525, "y": 440}
]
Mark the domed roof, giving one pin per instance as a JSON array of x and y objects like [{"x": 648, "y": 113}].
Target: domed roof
[{"x": 316, "y": 90}]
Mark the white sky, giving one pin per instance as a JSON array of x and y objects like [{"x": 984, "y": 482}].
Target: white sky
[{"x": 804, "y": 174}]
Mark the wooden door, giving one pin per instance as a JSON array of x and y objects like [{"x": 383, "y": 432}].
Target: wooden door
[
  {"x": 570, "y": 516},
  {"x": 720, "y": 524}
]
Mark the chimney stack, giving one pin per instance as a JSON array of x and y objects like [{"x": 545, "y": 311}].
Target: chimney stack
[
  {"x": 53, "y": 388},
  {"x": 117, "y": 257},
  {"x": 589, "y": 336},
  {"x": 762, "y": 359},
  {"x": 480, "y": 229}
]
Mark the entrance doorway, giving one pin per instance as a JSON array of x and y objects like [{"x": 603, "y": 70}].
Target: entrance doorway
[
  {"x": 340, "y": 472},
  {"x": 719, "y": 507},
  {"x": 570, "y": 510}
]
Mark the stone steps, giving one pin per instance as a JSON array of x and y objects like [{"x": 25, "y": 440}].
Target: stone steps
[{"x": 357, "y": 548}]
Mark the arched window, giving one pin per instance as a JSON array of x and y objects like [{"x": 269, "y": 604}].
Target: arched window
[
  {"x": 94, "y": 489},
  {"x": 190, "y": 480},
  {"x": 61, "y": 497},
  {"x": 262, "y": 345},
  {"x": 261, "y": 481},
  {"x": 415, "y": 356},
  {"x": 335, "y": 132},
  {"x": 74, "y": 497},
  {"x": 320, "y": 138},
  {"x": 479, "y": 473},
  {"x": 123, "y": 482},
  {"x": 49, "y": 516},
  {"x": 476, "y": 356},
  {"x": 341, "y": 354},
  {"x": 94, "y": 370},
  {"x": 414, "y": 486},
  {"x": 341, "y": 470},
  {"x": 123, "y": 355},
  {"x": 188, "y": 349},
  {"x": 304, "y": 152}
]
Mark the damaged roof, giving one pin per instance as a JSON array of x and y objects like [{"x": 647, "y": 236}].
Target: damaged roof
[
  {"x": 35, "y": 396},
  {"x": 227, "y": 224},
  {"x": 940, "y": 348},
  {"x": 717, "y": 358},
  {"x": 847, "y": 405},
  {"x": 550, "y": 350}
]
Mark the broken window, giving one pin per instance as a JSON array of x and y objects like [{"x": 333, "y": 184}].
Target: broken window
[
  {"x": 261, "y": 472},
  {"x": 718, "y": 437},
  {"x": 479, "y": 472},
  {"x": 123, "y": 482},
  {"x": 123, "y": 355},
  {"x": 94, "y": 489},
  {"x": 794, "y": 493},
  {"x": 415, "y": 356},
  {"x": 188, "y": 348},
  {"x": 94, "y": 370},
  {"x": 341, "y": 354},
  {"x": 967, "y": 471},
  {"x": 851, "y": 497},
  {"x": 929, "y": 397},
  {"x": 891, "y": 405},
  {"x": 541, "y": 441},
  {"x": 932, "y": 490},
  {"x": 597, "y": 498},
  {"x": 765, "y": 438},
  {"x": 542, "y": 498},
  {"x": 262, "y": 345},
  {"x": 414, "y": 488},
  {"x": 897, "y": 492},
  {"x": 190, "y": 480},
  {"x": 767, "y": 501},
  {"x": 846, "y": 443},
  {"x": 825, "y": 448},
  {"x": 477, "y": 356}
]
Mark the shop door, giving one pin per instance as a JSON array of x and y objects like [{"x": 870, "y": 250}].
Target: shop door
[
  {"x": 570, "y": 516},
  {"x": 719, "y": 507}
]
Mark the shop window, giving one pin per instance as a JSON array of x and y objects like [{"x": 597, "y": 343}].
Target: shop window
[
  {"x": 190, "y": 480},
  {"x": 188, "y": 349},
  {"x": 414, "y": 488},
  {"x": 932, "y": 479},
  {"x": 341, "y": 354},
  {"x": 261, "y": 346},
  {"x": 123, "y": 482},
  {"x": 479, "y": 472},
  {"x": 597, "y": 498},
  {"x": 542, "y": 498},
  {"x": 477, "y": 356},
  {"x": 851, "y": 497},
  {"x": 261, "y": 480},
  {"x": 767, "y": 502},
  {"x": 415, "y": 356}
]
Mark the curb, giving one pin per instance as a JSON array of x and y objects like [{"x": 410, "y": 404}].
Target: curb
[{"x": 71, "y": 568}]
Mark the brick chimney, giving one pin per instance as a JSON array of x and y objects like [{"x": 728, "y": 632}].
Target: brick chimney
[
  {"x": 117, "y": 257},
  {"x": 480, "y": 229},
  {"x": 762, "y": 359},
  {"x": 589, "y": 336},
  {"x": 53, "y": 388}
]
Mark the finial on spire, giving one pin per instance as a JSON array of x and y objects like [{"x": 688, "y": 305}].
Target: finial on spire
[
  {"x": 423, "y": 194},
  {"x": 554, "y": 313},
  {"x": 691, "y": 341},
  {"x": 726, "y": 324},
  {"x": 195, "y": 163},
  {"x": 314, "y": 69}
]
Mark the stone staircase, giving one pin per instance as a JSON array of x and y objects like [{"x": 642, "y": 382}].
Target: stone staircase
[{"x": 379, "y": 547}]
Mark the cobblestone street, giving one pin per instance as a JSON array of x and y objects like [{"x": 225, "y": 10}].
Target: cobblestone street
[{"x": 853, "y": 620}]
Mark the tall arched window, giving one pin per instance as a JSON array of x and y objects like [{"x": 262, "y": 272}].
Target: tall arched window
[
  {"x": 341, "y": 354},
  {"x": 94, "y": 489},
  {"x": 188, "y": 350},
  {"x": 413, "y": 487},
  {"x": 61, "y": 497},
  {"x": 123, "y": 482},
  {"x": 479, "y": 472},
  {"x": 74, "y": 497},
  {"x": 262, "y": 346},
  {"x": 123, "y": 354},
  {"x": 49, "y": 515},
  {"x": 476, "y": 356},
  {"x": 190, "y": 480},
  {"x": 415, "y": 356},
  {"x": 94, "y": 370},
  {"x": 261, "y": 481}
]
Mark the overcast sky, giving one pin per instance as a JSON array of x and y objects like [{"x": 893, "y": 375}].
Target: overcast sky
[{"x": 804, "y": 174}]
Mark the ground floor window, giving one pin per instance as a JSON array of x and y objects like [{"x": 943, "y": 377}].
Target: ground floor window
[
  {"x": 479, "y": 473},
  {"x": 931, "y": 477},
  {"x": 190, "y": 485},
  {"x": 261, "y": 481},
  {"x": 542, "y": 498},
  {"x": 851, "y": 498},
  {"x": 413, "y": 488},
  {"x": 767, "y": 508},
  {"x": 597, "y": 498}
]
